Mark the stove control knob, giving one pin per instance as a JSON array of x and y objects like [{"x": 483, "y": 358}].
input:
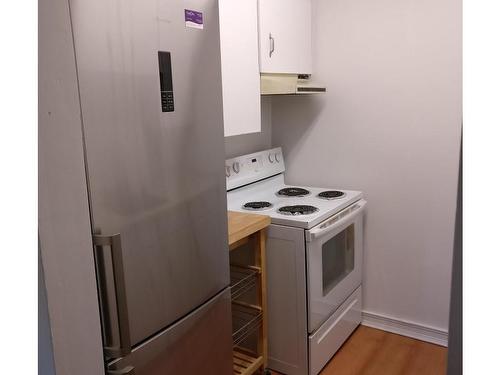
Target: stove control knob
[
  {"x": 228, "y": 171},
  {"x": 271, "y": 159},
  {"x": 277, "y": 157},
  {"x": 236, "y": 167}
]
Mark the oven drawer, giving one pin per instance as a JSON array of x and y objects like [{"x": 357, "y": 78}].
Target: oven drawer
[{"x": 331, "y": 334}]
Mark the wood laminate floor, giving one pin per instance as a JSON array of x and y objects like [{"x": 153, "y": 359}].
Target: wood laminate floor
[{"x": 371, "y": 351}]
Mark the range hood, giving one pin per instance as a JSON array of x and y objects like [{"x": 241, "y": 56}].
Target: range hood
[{"x": 288, "y": 84}]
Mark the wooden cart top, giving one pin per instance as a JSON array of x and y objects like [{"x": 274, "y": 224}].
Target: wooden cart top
[{"x": 241, "y": 225}]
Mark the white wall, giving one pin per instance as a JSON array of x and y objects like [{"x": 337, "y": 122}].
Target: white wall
[
  {"x": 248, "y": 143},
  {"x": 389, "y": 125}
]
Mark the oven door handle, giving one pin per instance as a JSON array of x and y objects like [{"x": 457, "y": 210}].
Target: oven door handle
[{"x": 335, "y": 222}]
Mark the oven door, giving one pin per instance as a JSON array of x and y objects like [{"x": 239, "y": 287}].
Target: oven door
[{"x": 334, "y": 261}]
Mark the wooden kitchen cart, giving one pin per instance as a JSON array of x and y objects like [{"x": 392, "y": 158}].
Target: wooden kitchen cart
[{"x": 247, "y": 318}]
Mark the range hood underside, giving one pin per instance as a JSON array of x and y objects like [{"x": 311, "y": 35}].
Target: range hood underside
[{"x": 287, "y": 84}]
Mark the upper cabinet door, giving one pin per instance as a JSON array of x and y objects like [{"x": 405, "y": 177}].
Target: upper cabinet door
[
  {"x": 278, "y": 47},
  {"x": 240, "y": 66},
  {"x": 304, "y": 35},
  {"x": 285, "y": 36}
]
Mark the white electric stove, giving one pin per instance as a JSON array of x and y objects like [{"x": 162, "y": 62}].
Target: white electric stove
[
  {"x": 297, "y": 206},
  {"x": 314, "y": 260}
]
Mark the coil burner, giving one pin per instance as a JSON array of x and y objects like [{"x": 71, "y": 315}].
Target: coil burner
[
  {"x": 257, "y": 206},
  {"x": 297, "y": 210}
]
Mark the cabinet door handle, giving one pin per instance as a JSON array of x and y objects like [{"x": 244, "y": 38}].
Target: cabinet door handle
[{"x": 271, "y": 45}]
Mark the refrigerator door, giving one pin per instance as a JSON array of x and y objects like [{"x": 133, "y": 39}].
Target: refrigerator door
[
  {"x": 155, "y": 166},
  {"x": 198, "y": 344}
]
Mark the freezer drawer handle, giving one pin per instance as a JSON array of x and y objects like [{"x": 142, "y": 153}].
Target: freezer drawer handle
[
  {"x": 129, "y": 370},
  {"x": 114, "y": 244}
]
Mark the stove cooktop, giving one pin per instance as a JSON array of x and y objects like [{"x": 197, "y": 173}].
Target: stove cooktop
[
  {"x": 256, "y": 182},
  {"x": 257, "y": 206},
  {"x": 293, "y": 192},
  {"x": 331, "y": 194},
  {"x": 296, "y": 210}
]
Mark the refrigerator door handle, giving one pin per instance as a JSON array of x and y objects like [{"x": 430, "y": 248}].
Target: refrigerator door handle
[
  {"x": 120, "y": 300},
  {"x": 129, "y": 370}
]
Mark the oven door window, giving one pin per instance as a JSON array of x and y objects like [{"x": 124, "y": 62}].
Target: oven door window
[{"x": 337, "y": 258}]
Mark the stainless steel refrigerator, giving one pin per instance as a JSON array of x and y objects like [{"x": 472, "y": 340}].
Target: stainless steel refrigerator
[{"x": 151, "y": 99}]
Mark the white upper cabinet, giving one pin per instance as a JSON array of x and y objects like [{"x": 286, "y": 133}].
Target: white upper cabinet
[
  {"x": 285, "y": 36},
  {"x": 240, "y": 66},
  {"x": 304, "y": 37}
]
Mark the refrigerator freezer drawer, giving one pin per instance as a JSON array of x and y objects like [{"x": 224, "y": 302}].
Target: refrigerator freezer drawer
[
  {"x": 200, "y": 343},
  {"x": 331, "y": 335}
]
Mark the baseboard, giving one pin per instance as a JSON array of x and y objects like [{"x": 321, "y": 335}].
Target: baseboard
[{"x": 404, "y": 328}]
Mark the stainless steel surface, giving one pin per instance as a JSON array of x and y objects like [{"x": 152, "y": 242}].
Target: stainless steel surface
[
  {"x": 117, "y": 278},
  {"x": 156, "y": 178},
  {"x": 200, "y": 343},
  {"x": 63, "y": 216},
  {"x": 286, "y": 299}
]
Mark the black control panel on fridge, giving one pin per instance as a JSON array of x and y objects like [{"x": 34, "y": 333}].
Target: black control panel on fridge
[{"x": 166, "y": 87}]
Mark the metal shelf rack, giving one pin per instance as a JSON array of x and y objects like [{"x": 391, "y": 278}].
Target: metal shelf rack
[
  {"x": 243, "y": 279},
  {"x": 248, "y": 318}
]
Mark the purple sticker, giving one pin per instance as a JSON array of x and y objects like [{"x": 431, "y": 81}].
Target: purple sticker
[{"x": 193, "y": 19}]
